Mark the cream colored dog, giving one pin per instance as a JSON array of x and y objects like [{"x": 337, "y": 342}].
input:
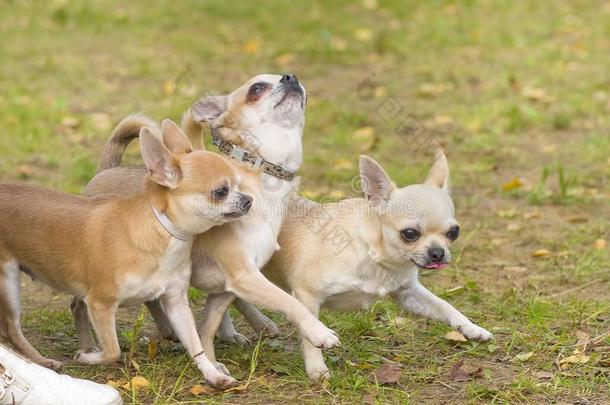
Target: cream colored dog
[
  {"x": 111, "y": 251},
  {"x": 348, "y": 254},
  {"x": 260, "y": 126}
]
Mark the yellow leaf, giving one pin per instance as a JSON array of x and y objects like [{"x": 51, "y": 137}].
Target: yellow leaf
[
  {"x": 455, "y": 336},
  {"x": 70, "y": 122},
  {"x": 252, "y": 47},
  {"x": 512, "y": 185},
  {"x": 369, "y": 4},
  {"x": 524, "y": 356},
  {"x": 443, "y": 119},
  {"x": 536, "y": 94},
  {"x": 199, "y": 389},
  {"x": 169, "y": 87},
  {"x": 136, "y": 383},
  {"x": 541, "y": 253},
  {"x": 363, "y": 34},
  {"x": 580, "y": 358},
  {"x": 600, "y": 244}
]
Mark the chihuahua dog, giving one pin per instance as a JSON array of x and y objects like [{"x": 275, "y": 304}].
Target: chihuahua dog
[
  {"x": 345, "y": 255},
  {"x": 259, "y": 126},
  {"x": 111, "y": 251}
]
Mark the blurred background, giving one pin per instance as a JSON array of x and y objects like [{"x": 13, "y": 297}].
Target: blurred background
[{"x": 517, "y": 92}]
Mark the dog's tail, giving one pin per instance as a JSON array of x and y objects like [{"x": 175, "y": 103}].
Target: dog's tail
[
  {"x": 193, "y": 129},
  {"x": 125, "y": 132}
]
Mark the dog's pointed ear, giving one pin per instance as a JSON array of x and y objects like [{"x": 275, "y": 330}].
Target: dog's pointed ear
[
  {"x": 207, "y": 109},
  {"x": 439, "y": 173},
  {"x": 162, "y": 165},
  {"x": 376, "y": 183},
  {"x": 174, "y": 139}
]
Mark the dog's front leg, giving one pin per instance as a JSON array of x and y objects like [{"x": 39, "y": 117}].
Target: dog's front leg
[
  {"x": 314, "y": 360},
  {"x": 176, "y": 304},
  {"x": 215, "y": 308},
  {"x": 248, "y": 283},
  {"x": 418, "y": 300}
]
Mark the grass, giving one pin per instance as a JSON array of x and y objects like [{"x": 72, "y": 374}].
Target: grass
[{"x": 512, "y": 90}]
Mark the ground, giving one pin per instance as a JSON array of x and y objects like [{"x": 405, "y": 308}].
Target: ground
[{"x": 516, "y": 92}]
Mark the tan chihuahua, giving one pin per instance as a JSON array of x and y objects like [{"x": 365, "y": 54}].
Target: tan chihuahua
[
  {"x": 260, "y": 126},
  {"x": 345, "y": 255},
  {"x": 110, "y": 251}
]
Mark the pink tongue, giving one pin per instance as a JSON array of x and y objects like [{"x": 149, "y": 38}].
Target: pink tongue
[{"x": 436, "y": 266}]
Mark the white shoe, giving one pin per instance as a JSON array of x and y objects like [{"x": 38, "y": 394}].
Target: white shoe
[{"x": 25, "y": 383}]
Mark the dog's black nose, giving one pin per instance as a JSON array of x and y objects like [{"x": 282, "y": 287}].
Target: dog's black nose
[
  {"x": 436, "y": 254},
  {"x": 288, "y": 78},
  {"x": 245, "y": 203}
]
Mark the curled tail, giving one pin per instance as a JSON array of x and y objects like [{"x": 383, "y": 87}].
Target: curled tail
[
  {"x": 125, "y": 131},
  {"x": 193, "y": 130}
]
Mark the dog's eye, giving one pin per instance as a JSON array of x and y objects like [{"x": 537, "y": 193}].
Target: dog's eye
[
  {"x": 220, "y": 193},
  {"x": 257, "y": 87},
  {"x": 454, "y": 232},
  {"x": 410, "y": 234}
]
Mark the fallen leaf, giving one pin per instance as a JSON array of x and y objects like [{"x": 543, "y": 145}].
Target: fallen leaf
[
  {"x": 512, "y": 185},
  {"x": 541, "y": 253},
  {"x": 169, "y": 87},
  {"x": 579, "y": 358},
  {"x": 578, "y": 220},
  {"x": 523, "y": 356},
  {"x": 511, "y": 213},
  {"x": 513, "y": 227},
  {"x": 531, "y": 215},
  {"x": 536, "y": 94},
  {"x": 199, "y": 389},
  {"x": 252, "y": 47},
  {"x": 431, "y": 89},
  {"x": 600, "y": 244},
  {"x": 544, "y": 375},
  {"x": 388, "y": 373},
  {"x": 369, "y": 4},
  {"x": 135, "y": 365},
  {"x": 491, "y": 348},
  {"x": 548, "y": 149},
  {"x": 455, "y": 336},
  {"x": 116, "y": 383},
  {"x": 136, "y": 383},
  {"x": 25, "y": 171},
  {"x": 461, "y": 372}
]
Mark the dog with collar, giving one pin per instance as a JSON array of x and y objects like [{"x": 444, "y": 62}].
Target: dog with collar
[
  {"x": 260, "y": 126},
  {"x": 110, "y": 251},
  {"x": 391, "y": 234}
]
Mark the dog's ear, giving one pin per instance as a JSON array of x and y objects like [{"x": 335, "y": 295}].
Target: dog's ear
[
  {"x": 174, "y": 138},
  {"x": 207, "y": 109},
  {"x": 376, "y": 183},
  {"x": 162, "y": 165},
  {"x": 439, "y": 173}
]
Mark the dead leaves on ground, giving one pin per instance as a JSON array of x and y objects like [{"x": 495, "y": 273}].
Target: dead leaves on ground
[
  {"x": 462, "y": 372},
  {"x": 388, "y": 373}
]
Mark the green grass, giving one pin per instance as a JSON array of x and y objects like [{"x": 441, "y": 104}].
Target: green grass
[{"x": 510, "y": 89}]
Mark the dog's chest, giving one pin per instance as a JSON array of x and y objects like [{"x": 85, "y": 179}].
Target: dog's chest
[
  {"x": 170, "y": 269},
  {"x": 353, "y": 290}
]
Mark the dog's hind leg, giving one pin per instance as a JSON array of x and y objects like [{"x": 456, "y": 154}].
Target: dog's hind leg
[
  {"x": 10, "y": 309},
  {"x": 259, "y": 322},
  {"x": 160, "y": 317},
  {"x": 86, "y": 341},
  {"x": 228, "y": 334}
]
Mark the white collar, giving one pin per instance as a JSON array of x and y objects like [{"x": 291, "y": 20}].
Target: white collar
[{"x": 169, "y": 226}]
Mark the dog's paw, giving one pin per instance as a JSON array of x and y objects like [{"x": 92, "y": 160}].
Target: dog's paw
[
  {"x": 266, "y": 326},
  {"x": 320, "y": 336},
  {"x": 475, "y": 332},
  {"x": 234, "y": 338},
  {"x": 52, "y": 364},
  {"x": 318, "y": 373},
  {"x": 88, "y": 357},
  {"x": 168, "y": 334},
  {"x": 222, "y": 368},
  {"x": 222, "y": 382}
]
